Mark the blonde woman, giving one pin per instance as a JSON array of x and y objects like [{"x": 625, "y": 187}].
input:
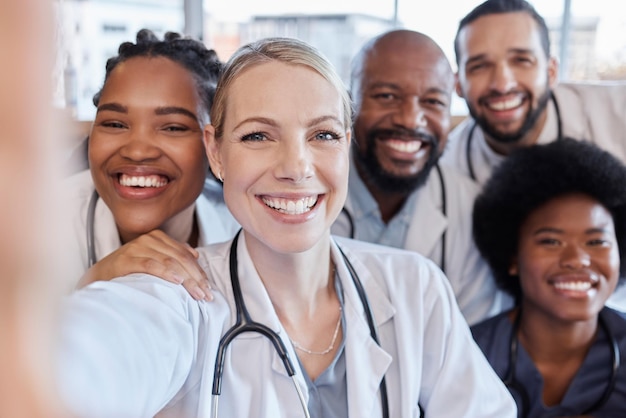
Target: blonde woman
[{"x": 301, "y": 324}]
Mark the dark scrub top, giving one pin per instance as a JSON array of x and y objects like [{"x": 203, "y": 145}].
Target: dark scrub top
[{"x": 589, "y": 384}]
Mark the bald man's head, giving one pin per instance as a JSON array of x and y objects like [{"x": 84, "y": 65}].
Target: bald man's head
[
  {"x": 406, "y": 44},
  {"x": 402, "y": 86}
]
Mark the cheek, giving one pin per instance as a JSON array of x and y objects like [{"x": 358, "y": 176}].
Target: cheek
[
  {"x": 100, "y": 149},
  {"x": 532, "y": 266},
  {"x": 191, "y": 158}
]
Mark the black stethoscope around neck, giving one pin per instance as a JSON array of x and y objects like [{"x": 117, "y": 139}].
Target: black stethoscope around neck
[
  {"x": 244, "y": 323},
  {"x": 444, "y": 211},
  {"x": 470, "y": 137},
  {"x": 514, "y": 385}
]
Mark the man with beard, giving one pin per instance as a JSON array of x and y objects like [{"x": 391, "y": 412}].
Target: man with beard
[
  {"x": 509, "y": 82},
  {"x": 402, "y": 86}
]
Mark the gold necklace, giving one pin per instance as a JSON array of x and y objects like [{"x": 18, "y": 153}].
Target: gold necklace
[{"x": 297, "y": 346}]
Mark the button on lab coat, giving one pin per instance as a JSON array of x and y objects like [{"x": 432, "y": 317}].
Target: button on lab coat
[{"x": 138, "y": 345}]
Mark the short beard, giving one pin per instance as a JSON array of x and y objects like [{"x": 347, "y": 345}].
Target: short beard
[
  {"x": 374, "y": 174},
  {"x": 530, "y": 121}
]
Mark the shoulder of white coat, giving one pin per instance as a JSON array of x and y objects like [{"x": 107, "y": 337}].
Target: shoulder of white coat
[
  {"x": 388, "y": 264},
  {"x": 455, "y": 145},
  {"x": 78, "y": 186},
  {"x": 215, "y": 260},
  {"x": 459, "y": 185}
]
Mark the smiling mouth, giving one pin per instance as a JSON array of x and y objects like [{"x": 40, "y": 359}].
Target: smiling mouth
[
  {"x": 498, "y": 104},
  {"x": 409, "y": 147},
  {"x": 142, "y": 181},
  {"x": 580, "y": 286},
  {"x": 291, "y": 206}
]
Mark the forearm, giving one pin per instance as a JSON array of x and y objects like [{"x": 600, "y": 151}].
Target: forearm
[{"x": 125, "y": 350}]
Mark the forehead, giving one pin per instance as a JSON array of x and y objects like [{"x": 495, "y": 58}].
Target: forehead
[
  {"x": 156, "y": 79},
  {"x": 408, "y": 66},
  {"x": 499, "y": 33},
  {"x": 282, "y": 91},
  {"x": 578, "y": 210}
]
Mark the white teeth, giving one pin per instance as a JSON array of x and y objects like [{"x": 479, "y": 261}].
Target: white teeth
[
  {"x": 405, "y": 146},
  {"x": 506, "y": 104},
  {"x": 576, "y": 286},
  {"x": 142, "y": 181},
  {"x": 291, "y": 207}
]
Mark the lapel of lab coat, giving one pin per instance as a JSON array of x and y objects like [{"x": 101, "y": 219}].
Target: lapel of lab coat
[
  {"x": 262, "y": 311},
  {"x": 428, "y": 222},
  {"x": 366, "y": 361}
]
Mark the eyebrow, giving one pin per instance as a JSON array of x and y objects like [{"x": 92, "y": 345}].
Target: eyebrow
[
  {"x": 175, "y": 110},
  {"x": 273, "y": 123},
  {"x": 114, "y": 107},
  {"x": 480, "y": 57},
  {"x": 560, "y": 231},
  {"x": 383, "y": 84},
  {"x": 166, "y": 110}
]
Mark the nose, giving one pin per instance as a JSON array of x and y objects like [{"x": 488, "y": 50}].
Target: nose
[
  {"x": 410, "y": 114},
  {"x": 503, "y": 78},
  {"x": 294, "y": 161},
  {"x": 575, "y": 257},
  {"x": 140, "y": 145}
]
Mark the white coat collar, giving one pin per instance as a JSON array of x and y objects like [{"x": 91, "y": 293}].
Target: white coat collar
[
  {"x": 360, "y": 349},
  {"x": 428, "y": 222}
]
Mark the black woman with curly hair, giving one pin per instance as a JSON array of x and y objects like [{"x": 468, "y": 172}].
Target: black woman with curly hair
[
  {"x": 146, "y": 201},
  {"x": 551, "y": 222}
]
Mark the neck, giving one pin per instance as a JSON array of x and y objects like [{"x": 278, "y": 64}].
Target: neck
[
  {"x": 389, "y": 203},
  {"x": 297, "y": 283},
  {"x": 182, "y": 227},
  {"x": 547, "y": 339}
]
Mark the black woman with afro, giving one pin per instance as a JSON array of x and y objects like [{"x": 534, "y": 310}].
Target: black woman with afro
[{"x": 551, "y": 223}]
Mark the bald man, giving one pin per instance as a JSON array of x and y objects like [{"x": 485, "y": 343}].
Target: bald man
[{"x": 402, "y": 85}]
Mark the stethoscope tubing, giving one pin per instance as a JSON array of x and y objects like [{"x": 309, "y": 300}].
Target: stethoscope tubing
[
  {"x": 444, "y": 211},
  {"x": 244, "y": 323},
  {"x": 470, "y": 137},
  {"x": 512, "y": 383},
  {"x": 90, "y": 230}
]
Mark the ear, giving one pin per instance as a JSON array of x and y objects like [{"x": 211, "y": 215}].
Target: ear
[
  {"x": 553, "y": 71},
  {"x": 213, "y": 151},
  {"x": 457, "y": 86}
]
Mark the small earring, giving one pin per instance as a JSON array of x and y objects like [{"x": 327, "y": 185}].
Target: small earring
[{"x": 220, "y": 178}]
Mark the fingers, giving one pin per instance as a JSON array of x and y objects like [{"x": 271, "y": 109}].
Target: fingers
[{"x": 157, "y": 254}]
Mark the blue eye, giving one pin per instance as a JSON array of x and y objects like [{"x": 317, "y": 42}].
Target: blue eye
[
  {"x": 255, "y": 137},
  {"x": 327, "y": 136}
]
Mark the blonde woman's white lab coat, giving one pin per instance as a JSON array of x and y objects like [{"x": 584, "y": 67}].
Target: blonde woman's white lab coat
[
  {"x": 138, "y": 345},
  {"x": 215, "y": 223}
]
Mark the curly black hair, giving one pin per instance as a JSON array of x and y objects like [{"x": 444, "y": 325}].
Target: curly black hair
[
  {"x": 192, "y": 54},
  {"x": 531, "y": 177}
]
